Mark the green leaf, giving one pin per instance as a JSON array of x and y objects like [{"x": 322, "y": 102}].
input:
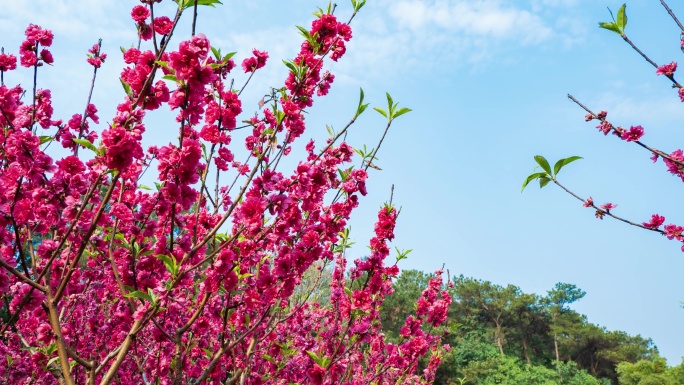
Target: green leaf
[
  {"x": 269, "y": 358},
  {"x": 51, "y": 361},
  {"x": 126, "y": 87},
  {"x": 531, "y": 178},
  {"x": 402, "y": 254},
  {"x": 139, "y": 295},
  {"x": 290, "y": 65},
  {"x": 51, "y": 348},
  {"x": 562, "y": 162},
  {"x": 621, "y": 21},
  {"x": 191, "y": 3},
  {"x": 401, "y": 112},
  {"x": 541, "y": 161},
  {"x": 381, "y": 111},
  {"x": 171, "y": 78},
  {"x": 611, "y": 27},
  {"x": 169, "y": 263},
  {"x": 358, "y": 4},
  {"x": 314, "y": 357},
  {"x": 304, "y": 32},
  {"x": 86, "y": 143},
  {"x": 362, "y": 107},
  {"x": 46, "y": 138},
  {"x": 543, "y": 181},
  {"x": 390, "y": 102},
  {"x": 216, "y": 52}
]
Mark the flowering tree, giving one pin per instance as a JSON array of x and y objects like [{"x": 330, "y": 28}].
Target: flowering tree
[
  {"x": 674, "y": 161},
  {"x": 105, "y": 280}
]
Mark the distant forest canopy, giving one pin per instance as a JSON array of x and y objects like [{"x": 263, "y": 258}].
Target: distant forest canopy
[{"x": 501, "y": 335}]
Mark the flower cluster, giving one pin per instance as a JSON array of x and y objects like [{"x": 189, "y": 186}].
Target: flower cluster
[
  {"x": 95, "y": 57},
  {"x": 667, "y": 69},
  {"x": 106, "y": 280},
  {"x": 28, "y": 51},
  {"x": 8, "y": 62}
]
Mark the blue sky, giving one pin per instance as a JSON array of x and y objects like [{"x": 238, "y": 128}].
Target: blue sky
[{"x": 487, "y": 82}]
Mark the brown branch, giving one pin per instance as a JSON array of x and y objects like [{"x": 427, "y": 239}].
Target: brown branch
[
  {"x": 607, "y": 212},
  {"x": 93, "y": 226},
  {"x": 672, "y": 15},
  {"x": 194, "y": 18},
  {"x": 122, "y": 352},
  {"x": 226, "y": 348},
  {"x": 59, "y": 341},
  {"x": 638, "y": 142},
  {"x": 194, "y": 317},
  {"x": 22, "y": 277},
  {"x": 55, "y": 253},
  {"x": 90, "y": 96}
]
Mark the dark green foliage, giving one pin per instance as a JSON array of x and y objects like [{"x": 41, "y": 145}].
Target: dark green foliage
[
  {"x": 501, "y": 335},
  {"x": 650, "y": 372}
]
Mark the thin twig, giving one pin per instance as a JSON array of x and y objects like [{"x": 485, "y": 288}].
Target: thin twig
[
  {"x": 606, "y": 212},
  {"x": 90, "y": 96},
  {"x": 652, "y": 150},
  {"x": 681, "y": 27},
  {"x": 194, "y": 19}
]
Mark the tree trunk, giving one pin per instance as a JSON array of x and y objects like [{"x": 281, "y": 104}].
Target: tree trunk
[
  {"x": 499, "y": 340},
  {"x": 555, "y": 345},
  {"x": 527, "y": 356}
]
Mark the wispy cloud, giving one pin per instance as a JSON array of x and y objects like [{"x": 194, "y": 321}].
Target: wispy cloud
[
  {"x": 65, "y": 18},
  {"x": 477, "y": 18},
  {"x": 447, "y": 35}
]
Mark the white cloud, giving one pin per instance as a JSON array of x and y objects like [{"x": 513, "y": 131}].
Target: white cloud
[
  {"x": 67, "y": 19},
  {"x": 479, "y": 18},
  {"x": 393, "y": 38}
]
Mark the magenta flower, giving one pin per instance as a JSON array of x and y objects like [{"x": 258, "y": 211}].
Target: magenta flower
[
  {"x": 255, "y": 62},
  {"x": 608, "y": 206},
  {"x": 36, "y": 34},
  {"x": 140, "y": 13},
  {"x": 605, "y": 127},
  {"x": 654, "y": 157},
  {"x": 655, "y": 222},
  {"x": 667, "y": 69},
  {"x": 635, "y": 133},
  {"x": 163, "y": 25},
  {"x": 673, "y": 231},
  {"x": 8, "y": 62},
  {"x": 95, "y": 58}
]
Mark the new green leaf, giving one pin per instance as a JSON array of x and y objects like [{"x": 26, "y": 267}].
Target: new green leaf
[
  {"x": 562, "y": 162},
  {"x": 531, "y": 178},
  {"x": 401, "y": 112},
  {"x": 191, "y": 3},
  {"x": 611, "y": 27},
  {"x": 543, "y": 163},
  {"x": 381, "y": 111},
  {"x": 139, "y": 295},
  {"x": 621, "y": 21},
  {"x": 362, "y": 107},
  {"x": 86, "y": 143},
  {"x": 543, "y": 181}
]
